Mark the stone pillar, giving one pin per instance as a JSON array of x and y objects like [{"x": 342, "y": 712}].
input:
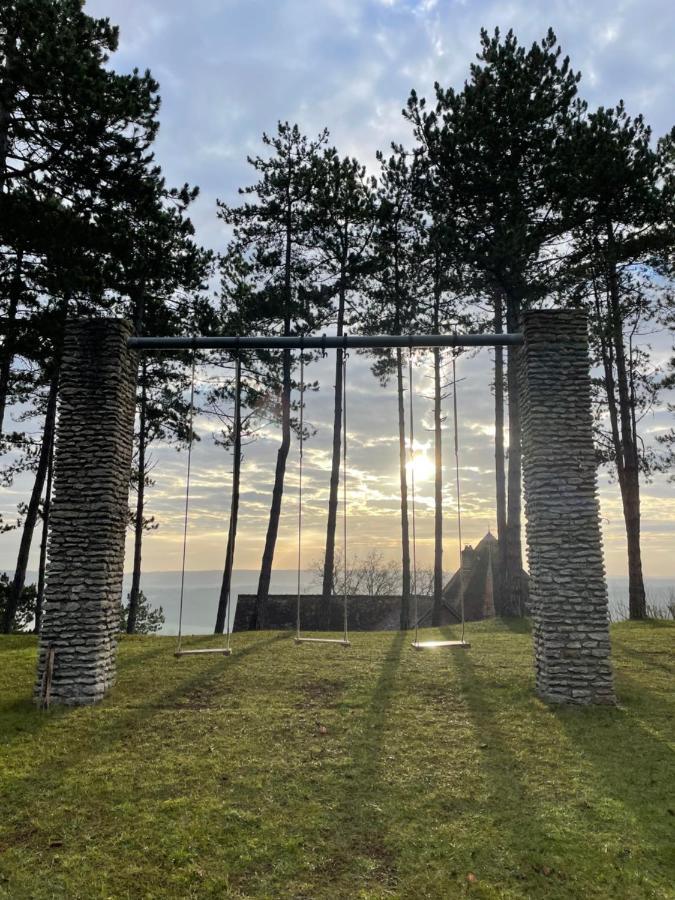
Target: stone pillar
[
  {"x": 568, "y": 593},
  {"x": 89, "y": 512}
]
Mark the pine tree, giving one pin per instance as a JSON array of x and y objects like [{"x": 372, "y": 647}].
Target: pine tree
[
  {"x": 159, "y": 270},
  {"x": 93, "y": 225},
  {"x": 71, "y": 130},
  {"x": 613, "y": 189},
  {"x": 273, "y": 229},
  {"x": 25, "y": 609},
  {"x": 391, "y": 304},
  {"x": 243, "y": 403},
  {"x": 493, "y": 148},
  {"x": 340, "y": 219},
  {"x": 440, "y": 310},
  {"x": 62, "y": 280},
  {"x": 149, "y": 620}
]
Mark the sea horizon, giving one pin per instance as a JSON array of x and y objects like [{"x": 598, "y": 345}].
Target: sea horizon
[{"x": 202, "y": 590}]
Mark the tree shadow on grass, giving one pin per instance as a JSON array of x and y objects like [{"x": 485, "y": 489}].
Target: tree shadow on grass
[
  {"x": 111, "y": 725},
  {"x": 516, "y": 624},
  {"x": 18, "y": 642},
  {"x": 646, "y": 657},
  {"x": 630, "y": 751},
  {"x": 140, "y": 656},
  {"x": 369, "y": 742},
  {"x": 510, "y": 665},
  {"x": 364, "y": 779},
  {"x": 21, "y": 715},
  {"x": 507, "y": 809},
  {"x": 632, "y": 766},
  {"x": 622, "y": 761},
  {"x": 209, "y": 672}
]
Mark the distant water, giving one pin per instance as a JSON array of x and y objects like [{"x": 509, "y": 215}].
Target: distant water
[{"x": 203, "y": 588}]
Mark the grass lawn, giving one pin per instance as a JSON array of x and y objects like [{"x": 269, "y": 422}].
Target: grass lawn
[{"x": 319, "y": 772}]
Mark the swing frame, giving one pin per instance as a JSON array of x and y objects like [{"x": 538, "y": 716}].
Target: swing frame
[{"x": 322, "y": 342}]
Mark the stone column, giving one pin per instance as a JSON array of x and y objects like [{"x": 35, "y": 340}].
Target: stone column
[
  {"x": 568, "y": 593},
  {"x": 89, "y": 513}
]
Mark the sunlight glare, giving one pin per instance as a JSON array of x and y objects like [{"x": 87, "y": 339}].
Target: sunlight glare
[{"x": 422, "y": 466}]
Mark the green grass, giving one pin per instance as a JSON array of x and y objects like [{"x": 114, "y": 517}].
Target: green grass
[{"x": 210, "y": 777}]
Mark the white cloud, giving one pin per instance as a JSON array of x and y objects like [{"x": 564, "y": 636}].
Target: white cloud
[{"x": 228, "y": 71}]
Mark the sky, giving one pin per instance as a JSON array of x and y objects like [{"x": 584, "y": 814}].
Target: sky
[{"x": 228, "y": 70}]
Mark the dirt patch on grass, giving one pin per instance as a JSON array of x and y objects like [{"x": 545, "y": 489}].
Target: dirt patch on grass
[
  {"x": 325, "y": 693},
  {"x": 367, "y": 854},
  {"x": 445, "y": 695},
  {"x": 17, "y": 839}
]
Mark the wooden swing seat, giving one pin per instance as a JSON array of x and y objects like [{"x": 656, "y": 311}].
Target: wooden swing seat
[
  {"x": 340, "y": 641},
  {"x": 223, "y": 651},
  {"x": 433, "y": 645}
]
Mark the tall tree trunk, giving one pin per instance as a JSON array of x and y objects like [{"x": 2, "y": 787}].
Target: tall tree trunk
[
  {"x": 630, "y": 497},
  {"x": 500, "y": 474},
  {"x": 224, "y": 603},
  {"x": 134, "y": 593},
  {"x": 438, "y": 494},
  {"x": 9, "y": 343},
  {"x": 329, "y": 559},
  {"x": 628, "y": 450},
  {"x": 30, "y": 520},
  {"x": 405, "y": 539},
  {"x": 46, "y": 510},
  {"x": 257, "y": 618},
  {"x": 7, "y": 102},
  {"x": 513, "y": 554}
]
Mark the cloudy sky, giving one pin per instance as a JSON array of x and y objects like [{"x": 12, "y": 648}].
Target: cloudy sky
[{"x": 228, "y": 70}]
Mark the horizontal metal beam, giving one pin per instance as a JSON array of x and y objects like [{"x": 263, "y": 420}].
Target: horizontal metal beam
[{"x": 324, "y": 342}]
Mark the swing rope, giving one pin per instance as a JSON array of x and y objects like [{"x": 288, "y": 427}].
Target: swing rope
[
  {"x": 187, "y": 501},
  {"x": 344, "y": 489},
  {"x": 298, "y": 636},
  {"x": 225, "y": 651},
  {"x": 459, "y": 497},
  {"x": 301, "y": 442},
  {"x": 412, "y": 490},
  {"x": 442, "y": 643},
  {"x": 237, "y": 425}
]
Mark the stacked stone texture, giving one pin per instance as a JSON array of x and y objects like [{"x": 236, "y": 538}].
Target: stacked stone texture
[
  {"x": 568, "y": 592},
  {"x": 88, "y": 521}
]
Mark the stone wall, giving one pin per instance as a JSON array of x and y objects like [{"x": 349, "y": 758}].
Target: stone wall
[
  {"x": 88, "y": 520},
  {"x": 366, "y": 613},
  {"x": 568, "y": 593}
]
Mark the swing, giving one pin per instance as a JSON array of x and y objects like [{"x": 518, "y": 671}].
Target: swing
[
  {"x": 344, "y": 640},
  {"x": 226, "y": 650},
  {"x": 433, "y": 645}
]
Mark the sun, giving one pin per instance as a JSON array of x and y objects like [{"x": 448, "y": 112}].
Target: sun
[{"x": 421, "y": 465}]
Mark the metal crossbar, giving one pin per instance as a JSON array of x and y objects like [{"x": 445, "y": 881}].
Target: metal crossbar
[{"x": 323, "y": 341}]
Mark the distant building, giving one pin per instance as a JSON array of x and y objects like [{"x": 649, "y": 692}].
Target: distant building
[{"x": 482, "y": 577}]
